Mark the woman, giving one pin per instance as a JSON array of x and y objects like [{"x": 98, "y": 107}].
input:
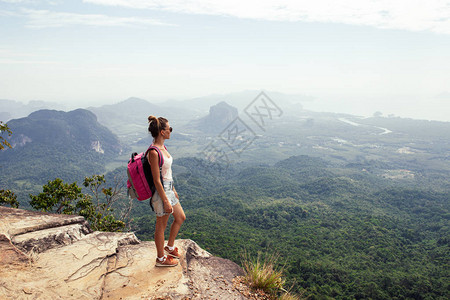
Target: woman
[{"x": 165, "y": 201}]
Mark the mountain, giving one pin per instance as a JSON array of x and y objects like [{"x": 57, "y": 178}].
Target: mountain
[
  {"x": 220, "y": 115},
  {"x": 130, "y": 110},
  {"x": 76, "y": 130},
  {"x": 50, "y": 143},
  {"x": 129, "y": 118},
  {"x": 10, "y": 109}
]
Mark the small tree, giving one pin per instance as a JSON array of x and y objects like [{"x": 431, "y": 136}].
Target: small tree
[
  {"x": 60, "y": 197},
  {"x": 8, "y": 197},
  {"x": 3, "y": 142},
  {"x": 109, "y": 199}
]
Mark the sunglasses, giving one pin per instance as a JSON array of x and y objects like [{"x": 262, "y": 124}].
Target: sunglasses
[{"x": 170, "y": 129}]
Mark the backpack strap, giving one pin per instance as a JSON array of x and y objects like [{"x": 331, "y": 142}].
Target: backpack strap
[{"x": 160, "y": 155}]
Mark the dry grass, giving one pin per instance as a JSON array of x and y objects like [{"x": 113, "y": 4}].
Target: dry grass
[
  {"x": 262, "y": 273},
  {"x": 289, "y": 296}
]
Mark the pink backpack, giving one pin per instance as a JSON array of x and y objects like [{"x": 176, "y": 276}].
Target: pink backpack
[{"x": 140, "y": 180}]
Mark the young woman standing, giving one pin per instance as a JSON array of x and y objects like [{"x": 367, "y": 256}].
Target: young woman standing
[{"x": 165, "y": 201}]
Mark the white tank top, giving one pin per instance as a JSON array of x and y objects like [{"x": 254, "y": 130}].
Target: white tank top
[{"x": 167, "y": 168}]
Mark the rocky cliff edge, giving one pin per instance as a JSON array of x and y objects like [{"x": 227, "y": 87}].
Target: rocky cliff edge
[{"x": 51, "y": 256}]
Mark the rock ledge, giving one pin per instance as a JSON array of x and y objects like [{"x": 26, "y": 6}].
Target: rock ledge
[{"x": 50, "y": 256}]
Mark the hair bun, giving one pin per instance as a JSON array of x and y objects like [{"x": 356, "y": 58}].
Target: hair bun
[{"x": 156, "y": 124}]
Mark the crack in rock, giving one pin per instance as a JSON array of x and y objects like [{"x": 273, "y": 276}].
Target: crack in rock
[
  {"x": 115, "y": 269},
  {"x": 87, "y": 269}
]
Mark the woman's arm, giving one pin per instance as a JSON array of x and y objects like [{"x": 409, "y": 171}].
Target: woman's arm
[{"x": 153, "y": 158}]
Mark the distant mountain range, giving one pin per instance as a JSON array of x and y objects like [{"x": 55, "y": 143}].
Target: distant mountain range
[
  {"x": 131, "y": 114},
  {"x": 129, "y": 118},
  {"x": 133, "y": 110},
  {"x": 118, "y": 117},
  {"x": 82, "y": 142},
  {"x": 10, "y": 109}
]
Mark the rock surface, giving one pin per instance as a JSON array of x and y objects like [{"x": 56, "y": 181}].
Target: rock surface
[{"x": 49, "y": 256}]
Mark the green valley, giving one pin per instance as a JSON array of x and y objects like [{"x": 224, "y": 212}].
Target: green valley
[{"x": 346, "y": 237}]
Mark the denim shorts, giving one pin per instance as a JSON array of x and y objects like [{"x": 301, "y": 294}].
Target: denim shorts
[{"x": 157, "y": 202}]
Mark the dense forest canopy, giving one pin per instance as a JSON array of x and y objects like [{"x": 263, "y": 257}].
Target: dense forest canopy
[{"x": 353, "y": 236}]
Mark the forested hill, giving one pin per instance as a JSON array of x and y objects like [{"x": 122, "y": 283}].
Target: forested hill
[
  {"x": 342, "y": 233},
  {"x": 49, "y": 144}
]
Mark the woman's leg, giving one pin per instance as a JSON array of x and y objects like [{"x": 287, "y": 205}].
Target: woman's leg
[
  {"x": 179, "y": 217},
  {"x": 161, "y": 223}
]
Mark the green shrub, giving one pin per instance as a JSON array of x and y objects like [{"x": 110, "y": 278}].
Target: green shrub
[{"x": 8, "y": 197}]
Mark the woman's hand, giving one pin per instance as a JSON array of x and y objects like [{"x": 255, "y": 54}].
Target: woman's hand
[{"x": 168, "y": 209}]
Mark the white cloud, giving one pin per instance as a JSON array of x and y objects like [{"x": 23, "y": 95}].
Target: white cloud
[
  {"x": 31, "y": 1},
  {"x": 7, "y": 13},
  {"x": 22, "y": 1},
  {"x": 26, "y": 62},
  {"x": 45, "y": 19},
  {"x": 414, "y": 15}
]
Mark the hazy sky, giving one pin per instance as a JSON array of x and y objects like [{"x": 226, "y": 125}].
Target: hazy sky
[{"x": 351, "y": 56}]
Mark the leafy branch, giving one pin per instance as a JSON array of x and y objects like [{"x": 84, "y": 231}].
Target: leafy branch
[
  {"x": 96, "y": 207},
  {"x": 8, "y": 197},
  {"x": 3, "y": 142}
]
